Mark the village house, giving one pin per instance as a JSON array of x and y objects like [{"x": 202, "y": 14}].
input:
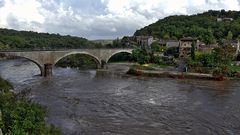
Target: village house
[
  {"x": 171, "y": 44},
  {"x": 206, "y": 48},
  {"x": 185, "y": 45},
  {"x": 168, "y": 43},
  {"x": 141, "y": 40},
  {"x": 234, "y": 43},
  {"x": 144, "y": 40}
]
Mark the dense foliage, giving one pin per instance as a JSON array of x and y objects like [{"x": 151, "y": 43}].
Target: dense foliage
[
  {"x": 12, "y": 39},
  {"x": 219, "y": 62},
  {"x": 77, "y": 61},
  {"x": 203, "y": 26},
  {"x": 140, "y": 55},
  {"x": 121, "y": 57},
  {"x": 20, "y": 116}
]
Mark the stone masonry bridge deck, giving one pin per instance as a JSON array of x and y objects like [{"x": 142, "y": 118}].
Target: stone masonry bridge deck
[{"x": 46, "y": 59}]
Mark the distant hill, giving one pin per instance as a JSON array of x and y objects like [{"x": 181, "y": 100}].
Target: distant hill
[
  {"x": 210, "y": 27},
  {"x": 103, "y": 41},
  {"x": 12, "y": 39}
]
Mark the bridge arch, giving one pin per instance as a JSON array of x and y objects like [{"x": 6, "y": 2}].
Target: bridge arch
[
  {"x": 95, "y": 58},
  {"x": 41, "y": 68},
  {"x": 120, "y": 51}
]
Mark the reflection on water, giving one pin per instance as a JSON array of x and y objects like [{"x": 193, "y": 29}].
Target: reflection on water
[{"x": 102, "y": 103}]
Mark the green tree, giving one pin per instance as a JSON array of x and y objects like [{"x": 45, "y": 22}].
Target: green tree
[
  {"x": 155, "y": 47},
  {"x": 238, "y": 38},
  {"x": 166, "y": 36},
  {"x": 224, "y": 55},
  {"x": 140, "y": 55},
  {"x": 229, "y": 35}
]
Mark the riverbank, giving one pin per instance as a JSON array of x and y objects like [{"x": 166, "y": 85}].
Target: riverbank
[
  {"x": 170, "y": 74},
  {"x": 21, "y": 116}
]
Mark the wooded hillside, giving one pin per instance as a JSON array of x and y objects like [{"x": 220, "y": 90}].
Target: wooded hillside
[{"x": 207, "y": 27}]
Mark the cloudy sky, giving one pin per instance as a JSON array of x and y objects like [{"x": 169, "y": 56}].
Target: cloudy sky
[{"x": 98, "y": 19}]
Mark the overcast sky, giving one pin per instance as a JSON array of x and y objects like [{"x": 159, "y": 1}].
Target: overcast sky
[{"x": 98, "y": 19}]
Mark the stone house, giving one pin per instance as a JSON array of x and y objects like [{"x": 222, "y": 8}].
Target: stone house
[
  {"x": 234, "y": 43},
  {"x": 144, "y": 40},
  {"x": 206, "y": 48},
  {"x": 185, "y": 45},
  {"x": 168, "y": 43},
  {"x": 171, "y": 44},
  {"x": 141, "y": 40}
]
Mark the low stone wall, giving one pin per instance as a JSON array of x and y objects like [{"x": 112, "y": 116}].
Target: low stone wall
[{"x": 170, "y": 74}]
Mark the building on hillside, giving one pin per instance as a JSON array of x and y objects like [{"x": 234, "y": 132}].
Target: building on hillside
[
  {"x": 171, "y": 44},
  {"x": 185, "y": 45},
  {"x": 207, "y": 48},
  {"x": 162, "y": 42},
  {"x": 144, "y": 40},
  {"x": 141, "y": 40},
  {"x": 168, "y": 43},
  {"x": 234, "y": 43},
  {"x": 224, "y": 19}
]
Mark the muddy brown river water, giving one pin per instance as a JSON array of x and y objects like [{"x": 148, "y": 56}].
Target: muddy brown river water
[{"x": 102, "y": 103}]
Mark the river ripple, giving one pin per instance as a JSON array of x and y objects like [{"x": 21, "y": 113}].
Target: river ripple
[{"x": 101, "y": 103}]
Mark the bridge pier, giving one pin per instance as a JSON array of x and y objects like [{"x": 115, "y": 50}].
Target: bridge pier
[
  {"x": 103, "y": 64},
  {"x": 47, "y": 70},
  {"x": 98, "y": 66}
]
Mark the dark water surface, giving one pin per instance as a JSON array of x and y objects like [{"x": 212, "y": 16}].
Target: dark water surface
[{"x": 101, "y": 103}]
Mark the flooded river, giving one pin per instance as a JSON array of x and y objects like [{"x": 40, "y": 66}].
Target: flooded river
[{"x": 103, "y": 103}]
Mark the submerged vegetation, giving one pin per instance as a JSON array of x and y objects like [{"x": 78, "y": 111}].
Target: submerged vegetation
[{"x": 20, "y": 116}]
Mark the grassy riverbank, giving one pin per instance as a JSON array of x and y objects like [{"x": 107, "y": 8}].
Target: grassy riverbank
[
  {"x": 21, "y": 116},
  {"x": 168, "y": 74}
]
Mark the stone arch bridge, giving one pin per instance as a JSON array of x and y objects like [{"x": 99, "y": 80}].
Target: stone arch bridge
[{"x": 46, "y": 59}]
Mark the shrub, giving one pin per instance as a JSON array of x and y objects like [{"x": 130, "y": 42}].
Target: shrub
[{"x": 20, "y": 116}]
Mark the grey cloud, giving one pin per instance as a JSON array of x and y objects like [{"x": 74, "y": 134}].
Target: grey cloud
[
  {"x": 91, "y": 19},
  {"x": 13, "y": 22},
  {"x": 2, "y": 3},
  {"x": 92, "y": 27},
  {"x": 87, "y": 7}
]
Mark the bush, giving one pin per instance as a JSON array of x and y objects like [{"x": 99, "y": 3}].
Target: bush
[
  {"x": 20, "y": 116},
  {"x": 141, "y": 56},
  {"x": 157, "y": 60}
]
